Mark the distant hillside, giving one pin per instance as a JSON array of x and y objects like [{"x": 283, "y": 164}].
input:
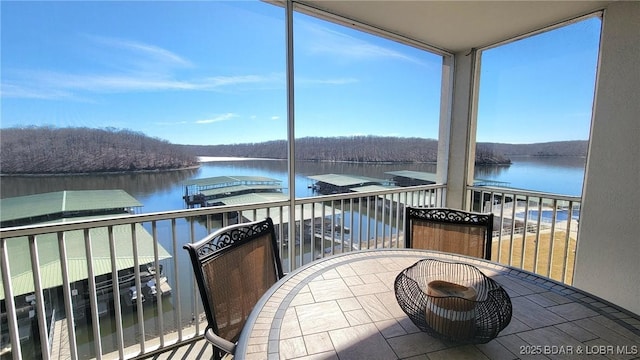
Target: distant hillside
[
  {"x": 384, "y": 149},
  {"x": 556, "y": 148},
  {"x": 355, "y": 149},
  {"x": 45, "y": 150}
]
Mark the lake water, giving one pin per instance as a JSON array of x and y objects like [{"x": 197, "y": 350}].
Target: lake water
[
  {"x": 557, "y": 175},
  {"x": 163, "y": 191}
]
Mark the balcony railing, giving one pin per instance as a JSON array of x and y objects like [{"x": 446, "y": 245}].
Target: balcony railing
[
  {"x": 534, "y": 231},
  {"x": 94, "y": 318}
]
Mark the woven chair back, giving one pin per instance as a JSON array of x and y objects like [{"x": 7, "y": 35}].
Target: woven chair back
[
  {"x": 236, "y": 280},
  {"x": 234, "y": 267},
  {"x": 448, "y": 230}
]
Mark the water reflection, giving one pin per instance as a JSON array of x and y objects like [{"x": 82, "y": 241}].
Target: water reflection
[
  {"x": 374, "y": 170},
  {"x": 162, "y": 191},
  {"x": 136, "y": 183},
  {"x": 552, "y": 174},
  {"x": 552, "y": 162},
  {"x": 490, "y": 171}
]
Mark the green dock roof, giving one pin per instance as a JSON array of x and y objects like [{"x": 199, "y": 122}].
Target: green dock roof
[
  {"x": 47, "y": 244},
  {"x": 238, "y": 188},
  {"x": 345, "y": 180},
  {"x": 230, "y": 180},
  {"x": 252, "y": 198},
  {"x": 23, "y": 207},
  {"x": 49, "y": 256},
  {"x": 372, "y": 188},
  {"x": 419, "y": 175}
]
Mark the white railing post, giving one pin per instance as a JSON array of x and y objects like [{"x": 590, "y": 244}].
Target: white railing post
[
  {"x": 12, "y": 316},
  {"x": 115, "y": 284},
  {"x": 40, "y": 302},
  {"x": 68, "y": 302},
  {"x": 95, "y": 321},
  {"x": 555, "y": 262},
  {"x": 136, "y": 269}
]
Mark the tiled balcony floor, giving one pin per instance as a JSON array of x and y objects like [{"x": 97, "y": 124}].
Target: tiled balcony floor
[
  {"x": 328, "y": 323},
  {"x": 196, "y": 350}
]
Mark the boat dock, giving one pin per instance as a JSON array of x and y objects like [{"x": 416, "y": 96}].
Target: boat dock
[
  {"x": 339, "y": 183},
  {"x": 224, "y": 190}
]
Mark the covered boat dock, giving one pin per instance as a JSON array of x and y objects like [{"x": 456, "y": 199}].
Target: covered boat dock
[
  {"x": 213, "y": 191},
  {"x": 38, "y": 208},
  {"x": 64, "y": 206},
  {"x": 412, "y": 178},
  {"x": 339, "y": 183}
]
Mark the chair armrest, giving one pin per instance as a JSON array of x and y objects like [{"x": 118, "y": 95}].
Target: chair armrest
[{"x": 217, "y": 341}]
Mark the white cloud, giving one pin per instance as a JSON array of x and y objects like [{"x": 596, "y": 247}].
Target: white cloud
[
  {"x": 147, "y": 52},
  {"x": 9, "y": 90},
  {"x": 326, "y": 41},
  {"x": 111, "y": 83},
  {"x": 137, "y": 67},
  {"x": 275, "y": 117},
  {"x": 220, "y": 81},
  {"x": 218, "y": 118},
  {"x": 55, "y": 85}
]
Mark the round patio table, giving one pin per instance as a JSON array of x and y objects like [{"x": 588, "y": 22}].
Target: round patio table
[{"x": 344, "y": 307}]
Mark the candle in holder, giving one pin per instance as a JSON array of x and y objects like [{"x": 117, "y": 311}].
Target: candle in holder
[{"x": 451, "y": 309}]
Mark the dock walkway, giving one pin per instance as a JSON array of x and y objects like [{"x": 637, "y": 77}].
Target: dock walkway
[{"x": 60, "y": 340}]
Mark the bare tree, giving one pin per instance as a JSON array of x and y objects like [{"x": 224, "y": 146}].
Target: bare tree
[{"x": 48, "y": 150}]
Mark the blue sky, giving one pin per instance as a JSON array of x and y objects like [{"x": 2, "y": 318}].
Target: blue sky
[{"x": 211, "y": 72}]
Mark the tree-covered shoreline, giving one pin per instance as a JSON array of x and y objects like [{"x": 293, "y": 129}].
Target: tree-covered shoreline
[
  {"x": 50, "y": 151},
  {"x": 65, "y": 151},
  {"x": 360, "y": 149},
  {"x": 380, "y": 149}
]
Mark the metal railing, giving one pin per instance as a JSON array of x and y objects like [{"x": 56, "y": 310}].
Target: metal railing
[
  {"x": 533, "y": 231},
  {"x": 98, "y": 318}
]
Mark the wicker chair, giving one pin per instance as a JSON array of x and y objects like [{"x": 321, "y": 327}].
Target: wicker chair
[
  {"x": 234, "y": 267},
  {"x": 449, "y": 230}
]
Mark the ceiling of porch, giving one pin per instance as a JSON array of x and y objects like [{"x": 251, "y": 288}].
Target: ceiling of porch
[{"x": 456, "y": 26}]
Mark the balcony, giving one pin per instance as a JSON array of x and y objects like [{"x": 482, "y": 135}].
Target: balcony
[
  {"x": 333, "y": 224},
  {"x": 589, "y": 241}
]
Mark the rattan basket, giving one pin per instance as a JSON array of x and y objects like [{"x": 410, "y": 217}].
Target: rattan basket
[{"x": 453, "y": 301}]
